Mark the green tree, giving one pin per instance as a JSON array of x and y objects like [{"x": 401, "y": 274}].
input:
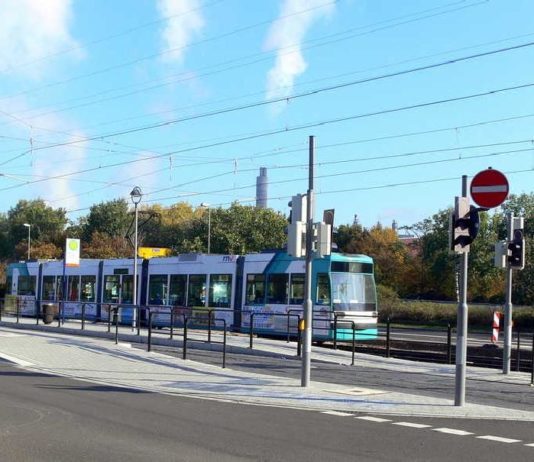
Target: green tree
[{"x": 111, "y": 218}]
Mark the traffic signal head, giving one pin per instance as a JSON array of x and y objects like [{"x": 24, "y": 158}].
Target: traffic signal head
[
  {"x": 516, "y": 256},
  {"x": 464, "y": 225}
]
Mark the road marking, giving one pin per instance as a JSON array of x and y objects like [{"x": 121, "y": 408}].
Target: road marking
[
  {"x": 412, "y": 425},
  {"x": 18, "y": 361},
  {"x": 341, "y": 414},
  {"x": 452, "y": 431},
  {"x": 531, "y": 445},
  {"x": 498, "y": 439},
  {"x": 373, "y": 419}
]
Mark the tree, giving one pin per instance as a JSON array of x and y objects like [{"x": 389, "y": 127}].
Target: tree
[
  {"x": 102, "y": 245},
  {"x": 110, "y": 218}
]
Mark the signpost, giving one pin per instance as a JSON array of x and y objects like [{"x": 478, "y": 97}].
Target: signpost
[{"x": 489, "y": 188}]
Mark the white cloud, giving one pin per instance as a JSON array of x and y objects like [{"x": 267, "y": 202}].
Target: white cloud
[
  {"x": 31, "y": 30},
  {"x": 286, "y": 35},
  {"x": 185, "y": 20}
]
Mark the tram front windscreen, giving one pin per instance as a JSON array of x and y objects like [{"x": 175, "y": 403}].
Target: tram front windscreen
[{"x": 353, "y": 292}]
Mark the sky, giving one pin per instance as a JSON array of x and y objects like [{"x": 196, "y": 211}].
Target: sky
[{"x": 187, "y": 99}]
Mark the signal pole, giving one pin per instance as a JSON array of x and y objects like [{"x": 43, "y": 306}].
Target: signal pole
[
  {"x": 308, "y": 304},
  {"x": 507, "y": 346},
  {"x": 461, "y": 329}
]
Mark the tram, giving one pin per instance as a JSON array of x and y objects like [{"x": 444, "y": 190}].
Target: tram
[{"x": 266, "y": 289}]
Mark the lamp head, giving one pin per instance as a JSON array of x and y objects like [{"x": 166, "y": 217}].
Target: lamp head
[
  {"x": 27, "y": 225},
  {"x": 136, "y": 195}
]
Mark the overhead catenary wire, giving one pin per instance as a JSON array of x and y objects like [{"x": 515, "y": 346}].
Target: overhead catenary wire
[{"x": 288, "y": 129}]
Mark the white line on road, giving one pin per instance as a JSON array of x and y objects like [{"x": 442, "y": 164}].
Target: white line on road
[
  {"x": 341, "y": 414},
  {"x": 412, "y": 425},
  {"x": 373, "y": 419},
  {"x": 498, "y": 439},
  {"x": 452, "y": 431},
  {"x": 18, "y": 361},
  {"x": 530, "y": 445}
]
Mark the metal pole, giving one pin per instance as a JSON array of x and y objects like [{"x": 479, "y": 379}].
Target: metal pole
[
  {"x": 353, "y": 341},
  {"x": 209, "y": 230},
  {"x": 388, "y": 338},
  {"x": 507, "y": 346},
  {"x": 308, "y": 307},
  {"x": 29, "y": 241},
  {"x": 134, "y": 318},
  {"x": 518, "y": 365},
  {"x": 251, "y": 330},
  {"x": 461, "y": 341},
  {"x": 532, "y": 366},
  {"x": 449, "y": 343}
]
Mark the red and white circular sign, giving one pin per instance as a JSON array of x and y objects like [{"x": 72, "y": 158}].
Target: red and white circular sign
[{"x": 489, "y": 188}]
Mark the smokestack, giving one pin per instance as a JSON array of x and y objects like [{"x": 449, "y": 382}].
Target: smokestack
[{"x": 261, "y": 189}]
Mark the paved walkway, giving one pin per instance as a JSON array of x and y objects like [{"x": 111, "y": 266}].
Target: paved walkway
[{"x": 100, "y": 360}]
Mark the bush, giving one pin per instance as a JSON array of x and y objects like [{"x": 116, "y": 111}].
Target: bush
[{"x": 440, "y": 314}]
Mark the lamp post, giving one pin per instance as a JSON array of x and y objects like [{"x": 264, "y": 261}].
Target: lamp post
[
  {"x": 29, "y": 238},
  {"x": 207, "y": 206},
  {"x": 136, "y": 196}
]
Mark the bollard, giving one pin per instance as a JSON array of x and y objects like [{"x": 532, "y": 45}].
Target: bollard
[
  {"x": 251, "y": 329},
  {"x": 172, "y": 323},
  {"x": 209, "y": 326},
  {"x": 184, "y": 356},
  {"x": 532, "y": 366},
  {"x": 224, "y": 344},
  {"x": 335, "y": 331},
  {"x": 83, "y": 316},
  {"x": 149, "y": 341},
  {"x": 353, "y": 341},
  {"x": 388, "y": 338},
  {"x": 116, "y": 321},
  {"x": 449, "y": 343},
  {"x": 37, "y": 312},
  {"x": 18, "y": 311},
  {"x": 518, "y": 365},
  {"x": 138, "y": 308},
  {"x": 109, "y": 319}
]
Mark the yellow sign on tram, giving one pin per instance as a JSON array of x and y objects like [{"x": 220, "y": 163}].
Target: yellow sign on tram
[{"x": 151, "y": 252}]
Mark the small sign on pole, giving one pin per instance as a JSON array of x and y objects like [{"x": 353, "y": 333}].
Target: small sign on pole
[{"x": 72, "y": 252}]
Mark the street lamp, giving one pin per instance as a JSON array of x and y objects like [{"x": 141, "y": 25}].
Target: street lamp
[
  {"x": 207, "y": 206},
  {"x": 29, "y": 238},
  {"x": 136, "y": 196}
]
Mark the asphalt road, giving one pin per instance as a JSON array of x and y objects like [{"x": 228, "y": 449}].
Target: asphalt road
[{"x": 55, "y": 419}]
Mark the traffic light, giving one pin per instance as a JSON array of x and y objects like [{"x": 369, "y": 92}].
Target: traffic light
[
  {"x": 464, "y": 225},
  {"x": 296, "y": 230},
  {"x": 323, "y": 245},
  {"x": 516, "y": 257}
]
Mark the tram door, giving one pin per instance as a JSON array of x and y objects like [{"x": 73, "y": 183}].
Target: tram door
[{"x": 118, "y": 289}]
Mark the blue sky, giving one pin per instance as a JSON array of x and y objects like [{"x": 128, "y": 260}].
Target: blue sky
[{"x": 176, "y": 96}]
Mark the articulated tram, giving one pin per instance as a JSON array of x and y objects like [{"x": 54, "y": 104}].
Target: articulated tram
[{"x": 262, "y": 287}]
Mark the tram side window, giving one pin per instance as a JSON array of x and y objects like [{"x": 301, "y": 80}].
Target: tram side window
[
  {"x": 59, "y": 288},
  {"x": 255, "y": 289},
  {"x": 220, "y": 290},
  {"x": 197, "y": 290},
  {"x": 9, "y": 284},
  {"x": 278, "y": 288},
  {"x": 323, "y": 289},
  {"x": 177, "y": 289},
  {"x": 49, "y": 288},
  {"x": 111, "y": 289},
  {"x": 296, "y": 296},
  {"x": 73, "y": 288},
  {"x": 26, "y": 285},
  {"x": 88, "y": 289},
  {"x": 157, "y": 289}
]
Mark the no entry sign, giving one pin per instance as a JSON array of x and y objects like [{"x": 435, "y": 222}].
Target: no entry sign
[{"x": 489, "y": 188}]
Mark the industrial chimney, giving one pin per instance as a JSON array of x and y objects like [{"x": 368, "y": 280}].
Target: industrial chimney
[{"x": 261, "y": 189}]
